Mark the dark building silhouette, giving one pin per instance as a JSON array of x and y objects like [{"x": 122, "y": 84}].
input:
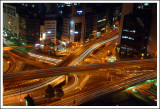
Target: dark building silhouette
[
  {"x": 33, "y": 30},
  {"x": 135, "y": 31}
]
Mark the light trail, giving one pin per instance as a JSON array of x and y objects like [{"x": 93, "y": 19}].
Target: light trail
[
  {"x": 45, "y": 59},
  {"x": 89, "y": 50}
]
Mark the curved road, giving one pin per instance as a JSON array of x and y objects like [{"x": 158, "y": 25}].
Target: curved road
[{"x": 81, "y": 57}]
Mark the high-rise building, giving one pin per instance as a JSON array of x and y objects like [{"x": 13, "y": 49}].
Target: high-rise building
[
  {"x": 152, "y": 40},
  {"x": 50, "y": 27},
  {"x": 134, "y": 30},
  {"x": 33, "y": 30},
  {"x": 83, "y": 21},
  {"x": 22, "y": 26},
  {"x": 10, "y": 20},
  {"x": 66, "y": 30}
]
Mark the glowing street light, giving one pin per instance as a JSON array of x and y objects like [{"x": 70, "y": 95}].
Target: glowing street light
[{"x": 133, "y": 90}]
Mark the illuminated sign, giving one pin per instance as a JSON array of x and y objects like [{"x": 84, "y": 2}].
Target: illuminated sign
[
  {"x": 72, "y": 23},
  {"x": 76, "y": 32},
  {"x": 79, "y": 11},
  {"x": 71, "y": 31}
]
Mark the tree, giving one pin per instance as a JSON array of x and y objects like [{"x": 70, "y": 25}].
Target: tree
[
  {"x": 50, "y": 92},
  {"x": 30, "y": 100}
]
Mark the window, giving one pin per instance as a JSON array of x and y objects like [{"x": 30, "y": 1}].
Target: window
[
  {"x": 125, "y": 37},
  {"x": 130, "y": 38}
]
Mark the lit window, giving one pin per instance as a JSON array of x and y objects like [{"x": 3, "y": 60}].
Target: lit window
[
  {"x": 125, "y": 37},
  {"x": 32, "y": 6},
  {"x": 129, "y": 49},
  {"x": 76, "y": 32},
  {"x": 61, "y": 12},
  {"x": 125, "y": 30},
  {"x": 146, "y": 4},
  {"x": 132, "y": 31},
  {"x": 139, "y": 7},
  {"x": 102, "y": 20},
  {"x": 123, "y": 47},
  {"x": 122, "y": 52},
  {"x": 49, "y": 32},
  {"x": 130, "y": 38}
]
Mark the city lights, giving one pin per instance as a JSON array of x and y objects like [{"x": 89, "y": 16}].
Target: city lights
[
  {"x": 79, "y": 11},
  {"x": 76, "y": 32},
  {"x": 102, "y": 20},
  {"x": 146, "y": 4},
  {"x": 75, "y": 54},
  {"x": 49, "y": 32},
  {"x": 44, "y": 36}
]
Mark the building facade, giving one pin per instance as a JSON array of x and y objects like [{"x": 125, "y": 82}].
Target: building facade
[
  {"x": 10, "y": 20},
  {"x": 135, "y": 29},
  {"x": 85, "y": 21},
  {"x": 22, "y": 26},
  {"x": 33, "y": 30},
  {"x": 66, "y": 30},
  {"x": 50, "y": 27}
]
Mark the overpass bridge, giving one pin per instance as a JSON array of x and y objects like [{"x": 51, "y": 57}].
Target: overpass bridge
[
  {"x": 34, "y": 74},
  {"x": 92, "y": 94}
]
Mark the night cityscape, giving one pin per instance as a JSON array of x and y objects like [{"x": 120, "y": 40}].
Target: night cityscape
[{"x": 79, "y": 54}]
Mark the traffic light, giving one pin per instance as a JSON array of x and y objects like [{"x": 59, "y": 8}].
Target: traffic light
[{"x": 29, "y": 101}]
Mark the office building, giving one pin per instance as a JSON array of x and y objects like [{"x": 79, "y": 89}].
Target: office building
[
  {"x": 10, "y": 21},
  {"x": 134, "y": 30},
  {"x": 50, "y": 27}
]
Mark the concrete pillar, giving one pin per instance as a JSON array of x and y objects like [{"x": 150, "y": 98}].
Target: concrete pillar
[{"x": 66, "y": 79}]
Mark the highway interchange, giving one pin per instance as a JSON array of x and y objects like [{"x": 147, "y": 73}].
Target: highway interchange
[{"x": 72, "y": 60}]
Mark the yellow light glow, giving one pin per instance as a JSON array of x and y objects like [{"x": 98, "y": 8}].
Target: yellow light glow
[{"x": 44, "y": 36}]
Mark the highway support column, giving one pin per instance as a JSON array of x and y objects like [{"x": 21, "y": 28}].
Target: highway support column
[{"x": 66, "y": 79}]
